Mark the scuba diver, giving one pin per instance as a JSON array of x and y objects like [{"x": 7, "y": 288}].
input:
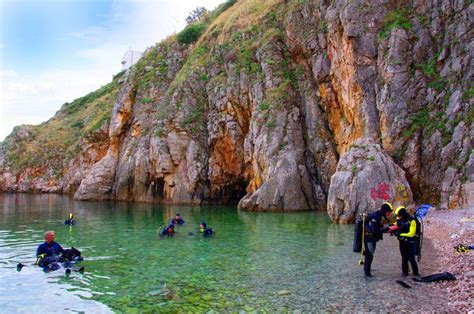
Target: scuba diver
[
  {"x": 205, "y": 230},
  {"x": 406, "y": 233},
  {"x": 168, "y": 230},
  {"x": 70, "y": 221},
  {"x": 179, "y": 220},
  {"x": 373, "y": 232},
  {"x": 48, "y": 252},
  {"x": 50, "y": 256}
]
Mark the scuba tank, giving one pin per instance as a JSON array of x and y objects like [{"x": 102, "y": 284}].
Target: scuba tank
[{"x": 357, "y": 246}]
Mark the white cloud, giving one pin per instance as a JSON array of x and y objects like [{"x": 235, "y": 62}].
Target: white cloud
[
  {"x": 34, "y": 97},
  {"x": 8, "y": 74},
  {"x": 138, "y": 25}
]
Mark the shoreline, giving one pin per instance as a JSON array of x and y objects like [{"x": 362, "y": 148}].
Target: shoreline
[{"x": 446, "y": 229}]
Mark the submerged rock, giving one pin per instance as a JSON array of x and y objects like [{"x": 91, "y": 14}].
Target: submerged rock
[{"x": 283, "y": 292}]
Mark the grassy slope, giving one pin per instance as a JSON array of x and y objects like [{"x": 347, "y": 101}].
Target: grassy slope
[{"x": 54, "y": 142}]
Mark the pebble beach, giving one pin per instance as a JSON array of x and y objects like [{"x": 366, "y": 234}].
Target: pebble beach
[{"x": 446, "y": 229}]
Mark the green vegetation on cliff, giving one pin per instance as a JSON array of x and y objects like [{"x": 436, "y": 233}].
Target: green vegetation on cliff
[
  {"x": 259, "y": 92},
  {"x": 54, "y": 142}
]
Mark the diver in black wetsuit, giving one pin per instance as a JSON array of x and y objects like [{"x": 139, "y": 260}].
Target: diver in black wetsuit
[
  {"x": 50, "y": 256},
  {"x": 179, "y": 220},
  {"x": 407, "y": 236},
  {"x": 168, "y": 230},
  {"x": 48, "y": 252},
  {"x": 205, "y": 230},
  {"x": 373, "y": 230},
  {"x": 70, "y": 221}
]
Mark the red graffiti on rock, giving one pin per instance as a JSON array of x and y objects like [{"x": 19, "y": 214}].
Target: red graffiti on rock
[{"x": 380, "y": 192}]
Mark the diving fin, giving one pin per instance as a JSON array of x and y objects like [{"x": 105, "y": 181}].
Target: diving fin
[
  {"x": 404, "y": 285},
  {"x": 19, "y": 266},
  {"x": 68, "y": 272},
  {"x": 435, "y": 277}
]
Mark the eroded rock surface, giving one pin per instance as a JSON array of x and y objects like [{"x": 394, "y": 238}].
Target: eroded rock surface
[
  {"x": 365, "y": 178},
  {"x": 288, "y": 105}
]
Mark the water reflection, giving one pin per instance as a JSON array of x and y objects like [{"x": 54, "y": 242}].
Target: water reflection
[{"x": 264, "y": 261}]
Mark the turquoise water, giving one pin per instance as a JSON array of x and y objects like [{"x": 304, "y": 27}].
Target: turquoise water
[{"x": 255, "y": 261}]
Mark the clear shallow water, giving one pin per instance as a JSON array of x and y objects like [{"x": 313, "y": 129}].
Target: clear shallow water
[{"x": 255, "y": 261}]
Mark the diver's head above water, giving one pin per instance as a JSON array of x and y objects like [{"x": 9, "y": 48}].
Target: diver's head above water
[{"x": 49, "y": 236}]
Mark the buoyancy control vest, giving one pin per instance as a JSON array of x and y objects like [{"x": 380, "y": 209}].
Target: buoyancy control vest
[
  {"x": 405, "y": 225},
  {"x": 373, "y": 228}
]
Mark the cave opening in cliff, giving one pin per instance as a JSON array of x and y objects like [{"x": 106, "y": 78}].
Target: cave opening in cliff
[
  {"x": 234, "y": 192},
  {"x": 158, "y": 189}
]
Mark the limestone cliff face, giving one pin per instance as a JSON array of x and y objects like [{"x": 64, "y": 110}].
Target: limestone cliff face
[{"x": 294, "y": 105}]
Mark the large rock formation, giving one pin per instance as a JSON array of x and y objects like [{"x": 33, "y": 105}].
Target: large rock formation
[
  {"x": 288, "y": 105},
  {"x": 365, "y": 178}
]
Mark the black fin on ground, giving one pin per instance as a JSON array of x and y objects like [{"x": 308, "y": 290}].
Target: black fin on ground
[
  {"x": 80, "y": 269},
  {"x": 436, "y": 277},
  {"x": 404, "y": 285},
  {"x": 19, "y": 266},
  {"x": 68, "y": 272}
]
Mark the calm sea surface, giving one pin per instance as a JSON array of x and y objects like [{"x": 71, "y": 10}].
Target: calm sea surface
[{"x": 255, "y": 261}]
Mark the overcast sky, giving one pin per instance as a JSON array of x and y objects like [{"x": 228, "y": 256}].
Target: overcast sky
[{"x": 52, "y": 52}]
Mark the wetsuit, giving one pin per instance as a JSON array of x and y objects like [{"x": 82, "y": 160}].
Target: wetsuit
[
  {"x": 169, "y": 231},
  {"x": 205, "y": 230},
  {"x": 406, "y": 236},
  {"x": 373, "y": 233},
  {"x": 208, "y": 232},
  {"x": 69, "y": 222},
  {"x": 48, "y": 254}
]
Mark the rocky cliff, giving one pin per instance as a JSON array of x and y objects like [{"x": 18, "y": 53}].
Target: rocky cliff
[{"x": 283, "y": 105}]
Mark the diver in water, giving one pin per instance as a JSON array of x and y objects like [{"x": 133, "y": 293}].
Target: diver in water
[
  {"x": 205, "y": 230},
  {"x": 48, "y": 252},
  {"x": 373, "y": 230},
  {"x": 168, "y": 230},
  {"x": 179, "y": 220},
  {"x": 70, "y": 221},
  {"x": 50, "y": 256}
]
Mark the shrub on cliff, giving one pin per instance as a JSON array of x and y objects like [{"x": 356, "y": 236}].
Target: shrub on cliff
[{"x": 191, "y": 33}]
